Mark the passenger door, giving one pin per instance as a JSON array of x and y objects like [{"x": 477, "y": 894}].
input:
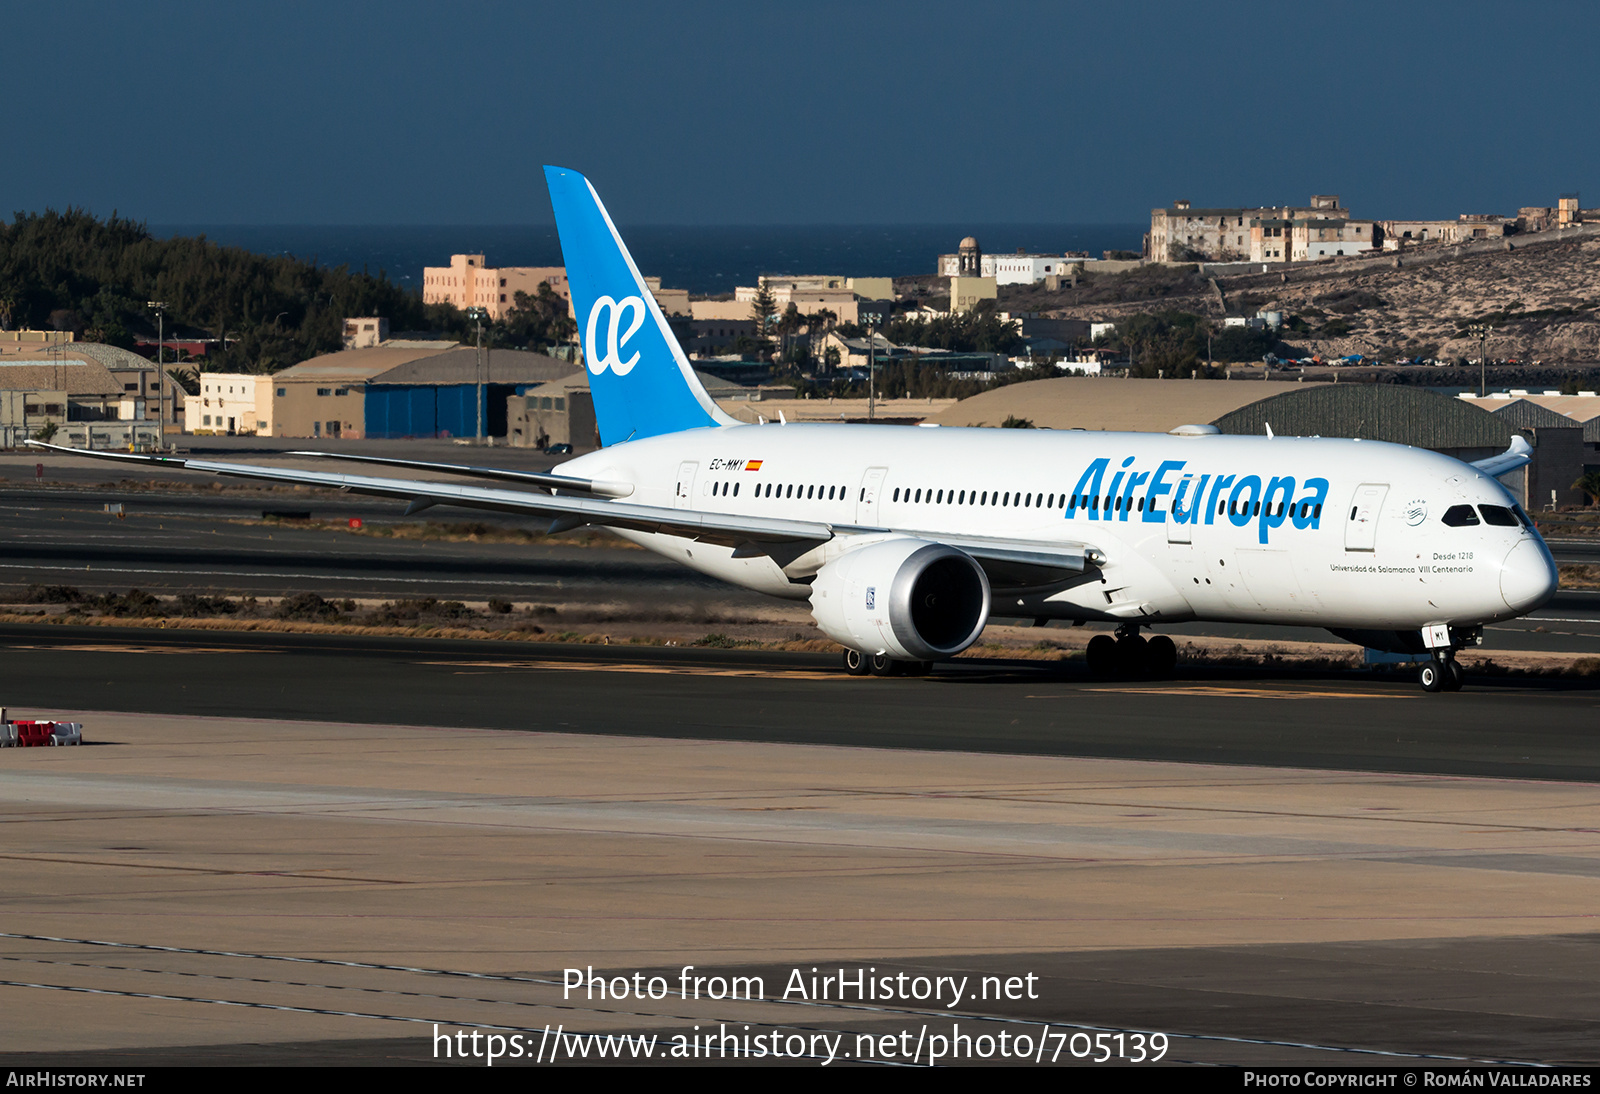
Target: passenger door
[
  {"x": 867, "y": 499},
  {"x": 683, "y": 498},
  {"x": 1361, "y": 525},
  {"x": 1178, "y": 525}
]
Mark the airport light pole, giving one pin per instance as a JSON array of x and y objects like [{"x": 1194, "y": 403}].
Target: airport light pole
[
  {"x": 1481, "y": 332},
  {"x": 476, "y": 315},
  {"x": 160, "y": 307},
  {"x": 872, "y": 320}
]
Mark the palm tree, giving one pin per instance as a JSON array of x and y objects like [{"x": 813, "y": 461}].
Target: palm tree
[
  {"x": 1589, "y": 483},
  {"x": 818, "y": 323},
  {"x": 789, "y": 324}
]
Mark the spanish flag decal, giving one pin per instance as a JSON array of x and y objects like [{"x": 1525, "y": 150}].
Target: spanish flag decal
[{"x": 752, "y": 465}]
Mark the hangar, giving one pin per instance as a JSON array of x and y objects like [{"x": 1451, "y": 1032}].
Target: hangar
[
  {"x": 562, "y": 412},
  {"x": 1381, "y": 412},
  {"x": 409, "y": 391}
]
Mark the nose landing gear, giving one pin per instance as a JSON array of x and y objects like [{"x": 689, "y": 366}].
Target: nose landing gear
[{"x": 1443, "y": 673}]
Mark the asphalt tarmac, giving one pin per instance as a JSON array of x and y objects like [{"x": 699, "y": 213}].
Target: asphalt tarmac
[{"x": 1336, "y": 721}]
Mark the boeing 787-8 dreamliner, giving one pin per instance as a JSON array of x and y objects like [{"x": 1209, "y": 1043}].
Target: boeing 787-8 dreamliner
[{"x": 906, "y": 541}]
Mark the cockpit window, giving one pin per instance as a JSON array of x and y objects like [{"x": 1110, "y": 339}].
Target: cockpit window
[
  {"x": 1498, "y": 515},
  {"x": 1458, "y": 516},
  {"x": 1523, "y": 517}
]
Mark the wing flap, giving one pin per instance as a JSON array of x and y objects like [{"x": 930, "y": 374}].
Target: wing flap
[{"x": 544, "y": 479}]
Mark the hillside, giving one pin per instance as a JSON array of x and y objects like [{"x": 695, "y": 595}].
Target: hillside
[
  {"x": 1541, "y": 294},
  {"x": 72, "y": 271}
]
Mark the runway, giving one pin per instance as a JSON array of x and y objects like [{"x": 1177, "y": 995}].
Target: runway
[{"x": 1340, "y": 721}]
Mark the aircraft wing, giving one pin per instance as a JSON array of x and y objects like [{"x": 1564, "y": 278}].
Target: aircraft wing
[
  {"x": 1008, "y": 563},
  {"x": 565, "y": 512},
  {"x": 1512, "y": 458}
]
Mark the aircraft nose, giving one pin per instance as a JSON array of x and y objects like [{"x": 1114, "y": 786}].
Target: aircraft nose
[{"x": 1528, "y": 576}]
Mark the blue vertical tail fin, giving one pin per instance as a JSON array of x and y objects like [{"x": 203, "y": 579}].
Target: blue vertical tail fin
[{"x": 640, "y": 380}]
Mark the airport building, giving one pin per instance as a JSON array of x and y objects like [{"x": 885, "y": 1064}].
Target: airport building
[
  {"x": 562, "y": 411},
  {"x": 75, "y": 400},
  {"x": 1549, "y": 410},
  {"x": 1379, "y": 412},
  {"x": 230, "y": 404},
  {"x": 135, "y": 375},
  {"x": 558, "y": 412},
  {"x": 34, "y": 343},
  {"x": 399, "y": 392}
]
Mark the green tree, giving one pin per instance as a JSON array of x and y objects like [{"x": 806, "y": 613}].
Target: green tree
[
  {"x": 536, "y": 321},
  {"x": 977, "y": 331},
  {"x": 1168, "y": 344},
  {"x": 764, "y": 311},
  {"x": 787, "y": 326},
  {"x": 1589, "y": 483},
  {"x": 95, "y": 274},
  {"x": 1241, "y": 344}
]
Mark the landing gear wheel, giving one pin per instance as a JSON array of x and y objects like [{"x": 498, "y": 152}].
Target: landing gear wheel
[
  {"x": 1131, "y": 655},
  {"x": 856, "y": 663},
  {"x": 1101, "y": 656},
  {"x": 1161, "y": 657},
  {"x": 1433, "y": 676},
  {"x": 884, "y": 665},
  {"x": 1454, "y": 677}
]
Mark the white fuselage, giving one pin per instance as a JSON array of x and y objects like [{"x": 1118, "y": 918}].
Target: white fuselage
[{"x": 1308, "y": 531}]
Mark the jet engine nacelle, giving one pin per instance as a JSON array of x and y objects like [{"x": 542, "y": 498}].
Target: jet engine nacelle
[{"x": 909, "y": 598}]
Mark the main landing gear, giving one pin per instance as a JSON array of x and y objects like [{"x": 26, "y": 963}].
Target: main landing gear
[
  {"x": 857, "y": 663},
  {"x": 1131, "y": 655},
  {"x": 1443, "y": 673}
]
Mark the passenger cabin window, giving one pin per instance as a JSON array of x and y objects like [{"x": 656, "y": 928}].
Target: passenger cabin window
[{"x": 1458, "y": 516}]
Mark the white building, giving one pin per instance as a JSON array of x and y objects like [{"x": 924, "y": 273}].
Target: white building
[
  {"x": 1028, "y": 269},
  {"x": 230, "y": 403}
]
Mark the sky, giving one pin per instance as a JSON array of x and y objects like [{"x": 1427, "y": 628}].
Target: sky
[{"x": 701, "y": 112}]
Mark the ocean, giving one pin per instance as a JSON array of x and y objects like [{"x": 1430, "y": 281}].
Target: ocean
[{"x": 703, "y": 260}]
